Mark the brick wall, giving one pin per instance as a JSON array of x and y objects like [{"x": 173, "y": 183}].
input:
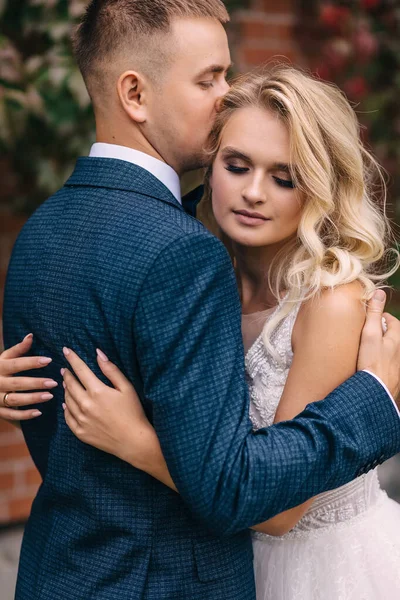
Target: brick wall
[
  {"x": 19, "y": 478},
  {"x": 265, "y": 30}
]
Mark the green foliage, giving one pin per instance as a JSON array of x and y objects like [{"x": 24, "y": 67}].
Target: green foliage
[
  {"x": 45, "y": 116},
  {"x": 46, "y": 120}
]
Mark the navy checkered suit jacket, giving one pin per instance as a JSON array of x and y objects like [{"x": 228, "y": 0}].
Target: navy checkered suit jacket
[{"x": 113, "y": 261}]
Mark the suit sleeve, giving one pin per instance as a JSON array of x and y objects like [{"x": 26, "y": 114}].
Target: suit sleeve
[{"x": 187, "y": 329}]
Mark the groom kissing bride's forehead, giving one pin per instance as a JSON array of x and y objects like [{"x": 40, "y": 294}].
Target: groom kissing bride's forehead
[
  {"x": 112, "y": 261},
  {"x": 155, "y": 70}
]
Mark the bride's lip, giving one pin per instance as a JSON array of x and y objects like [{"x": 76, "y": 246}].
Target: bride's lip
[{"x": 250, "y": 218}]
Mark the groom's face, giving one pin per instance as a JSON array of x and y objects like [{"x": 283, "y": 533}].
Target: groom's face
[{"x": 182, "y": 108}]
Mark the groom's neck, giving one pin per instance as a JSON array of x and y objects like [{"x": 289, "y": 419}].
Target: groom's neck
[{"x": 109, "y": 134}]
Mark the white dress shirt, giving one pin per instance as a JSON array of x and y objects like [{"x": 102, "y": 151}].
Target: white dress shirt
[
  {"x": 386, "y": 390},
  {"x": 158, "y": 168},
  {"x": 170, "y": 179}
]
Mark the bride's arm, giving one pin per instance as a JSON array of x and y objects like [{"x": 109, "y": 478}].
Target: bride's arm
[
  {"x": 90, "y": 413},
  {"x": 325, "y": 342}
]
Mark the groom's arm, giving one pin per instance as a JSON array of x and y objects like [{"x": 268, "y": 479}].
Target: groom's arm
[{"x": 188, "y": 335}]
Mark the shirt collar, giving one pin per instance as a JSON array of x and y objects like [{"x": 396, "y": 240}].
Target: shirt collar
[{"x": 159, "y": 169}]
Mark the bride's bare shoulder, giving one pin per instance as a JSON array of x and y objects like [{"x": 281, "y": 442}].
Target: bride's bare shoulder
[{"x": 340, "y": 308}]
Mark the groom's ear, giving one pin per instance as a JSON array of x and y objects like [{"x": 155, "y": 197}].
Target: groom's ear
[{"x": 131, "y": 88}]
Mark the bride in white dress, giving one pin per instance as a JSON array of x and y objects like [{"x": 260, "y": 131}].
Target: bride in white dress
[
  {"x": 347, "y": 544},
  {"x": 292, "y": 193}
]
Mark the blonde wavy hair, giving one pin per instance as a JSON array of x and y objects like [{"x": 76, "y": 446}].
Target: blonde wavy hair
[{"x": 344, "y": 234}]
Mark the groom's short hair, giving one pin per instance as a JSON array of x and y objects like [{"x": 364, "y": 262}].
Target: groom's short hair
[{"x": 110, "y": 28}]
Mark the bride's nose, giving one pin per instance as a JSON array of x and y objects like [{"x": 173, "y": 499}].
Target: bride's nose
[{"x": 254, "y": 191}]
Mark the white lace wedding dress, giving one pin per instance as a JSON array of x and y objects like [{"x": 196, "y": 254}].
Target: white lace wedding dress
[{"x": 347, "y": 545}]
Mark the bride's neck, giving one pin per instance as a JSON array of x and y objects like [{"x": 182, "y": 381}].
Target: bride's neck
[{"x": 252, "y": 266}]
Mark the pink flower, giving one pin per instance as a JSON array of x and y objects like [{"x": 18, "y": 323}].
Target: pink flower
[
  {"x": 365, "y": 43},
  {"x": 356, "y": 87}
]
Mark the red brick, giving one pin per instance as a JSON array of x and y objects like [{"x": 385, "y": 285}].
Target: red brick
[
  {"x": 275, "y": 6},
  {"x": 4, "y": 513},
  {"x": 32, "y": 477},
  {"x": 20, "y": 508},
  {"x": 6, "y": 427},
  {"x": 12, "y": 446},
  {"x": 252, "y": 57},
  {"x": 13, "y": 451},
  {"x": 8, "y": 437},
  {"x": 7, "y": 481},
  {"x": 254, "y": 30}
]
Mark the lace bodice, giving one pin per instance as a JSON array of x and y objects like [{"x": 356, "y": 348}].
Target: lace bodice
[{"x": 266, "y": 378}]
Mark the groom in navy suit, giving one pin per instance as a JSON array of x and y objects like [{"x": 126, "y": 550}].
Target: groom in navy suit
[{"x": 113, "y": 261}]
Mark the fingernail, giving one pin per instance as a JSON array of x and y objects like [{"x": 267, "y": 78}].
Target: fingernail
[
  {"x": 45, "y": 361},
  {"x": 29, "y": 336},
  {"x": 47, "y": 396},
  {"x": 50, "y": 383},
  {"x": 62, "y": 371},
  {"x": 66, "y": 351},
  {"x": 380, "y": 296},
  {"x": 64, "y": 406},
  {"x": 101, "y": 355},
  {"x": 36, "y": 413},
  {"x": 384, "y": 325}
]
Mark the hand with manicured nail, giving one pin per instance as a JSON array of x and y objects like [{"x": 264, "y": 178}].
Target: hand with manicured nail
[
  {"x": 111, "y": 418},
  {"x": 15, "y": 391}
]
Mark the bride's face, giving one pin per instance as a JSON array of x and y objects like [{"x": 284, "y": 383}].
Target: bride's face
[{"x": 254, "y": 199}]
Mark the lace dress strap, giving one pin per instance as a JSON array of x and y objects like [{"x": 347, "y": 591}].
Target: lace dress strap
[{"x": 267, "y": 374}]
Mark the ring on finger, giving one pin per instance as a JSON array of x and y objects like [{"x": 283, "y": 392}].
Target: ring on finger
[{"x": 5, "y": 400}]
